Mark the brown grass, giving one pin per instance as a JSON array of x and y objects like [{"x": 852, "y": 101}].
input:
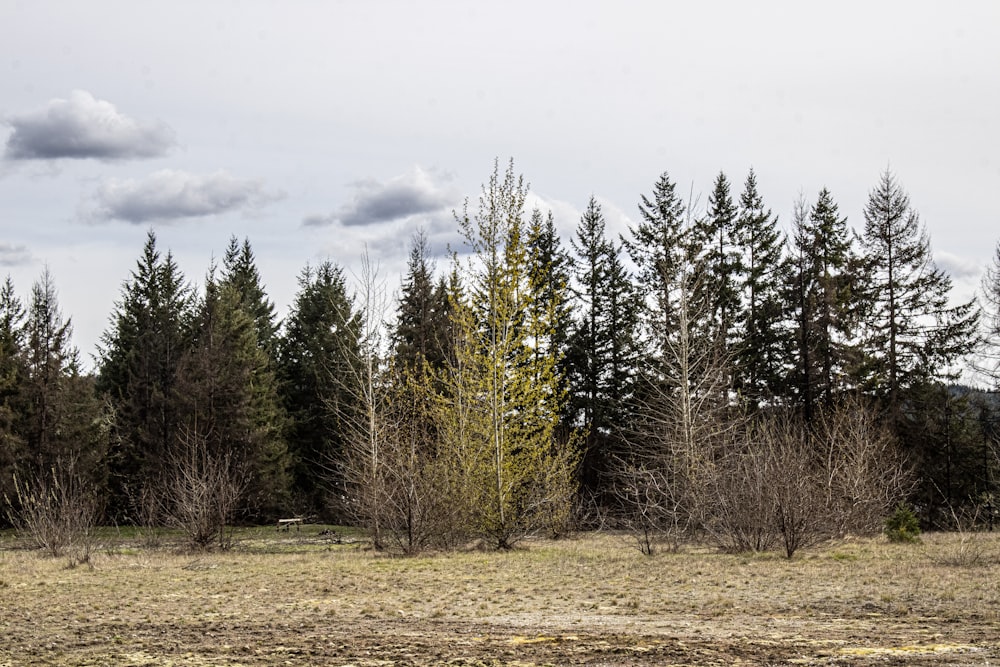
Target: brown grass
[{"x": 300, "y": 599}]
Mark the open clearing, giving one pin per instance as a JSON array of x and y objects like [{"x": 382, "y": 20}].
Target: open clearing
[{"x": 302, "y": 599}]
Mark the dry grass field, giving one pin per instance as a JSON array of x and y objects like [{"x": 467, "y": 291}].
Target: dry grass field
[{"x": 303, "y": 599}]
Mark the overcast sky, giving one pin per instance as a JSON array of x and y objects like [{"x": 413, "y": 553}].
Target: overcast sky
[{"x": 315, "y": 128}]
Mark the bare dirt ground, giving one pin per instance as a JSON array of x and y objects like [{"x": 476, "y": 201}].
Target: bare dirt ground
[{"x": 300, "y": 599}]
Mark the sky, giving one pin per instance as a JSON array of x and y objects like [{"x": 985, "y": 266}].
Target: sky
[{"x": 325, "y": 130}]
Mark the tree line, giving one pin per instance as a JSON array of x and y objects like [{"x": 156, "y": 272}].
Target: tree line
[{"x": 704, "y": 373}]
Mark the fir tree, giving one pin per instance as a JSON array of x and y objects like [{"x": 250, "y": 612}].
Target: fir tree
[
  {"x": 548, "y": 311},
  {"x": 316, "y": 353},
  {"x": 826, "y": 277},
  {"x": 137, "y": 367},
  {"x": 602, "y": 345},
  {"x": 760, "y": 354},
  {"x": 657, "y": 246},
  {"x": 421, "y": 331},
  {"x": 12, "y": 376},
  {"x": 229, "y": 401},
  {"x": 719, "y": 265},
  {"x": 61, "y": 421},
  {"x": 912, "y": 334},
  {"x": 989, "y": 361},
  {"x": 239, "y": 271}
]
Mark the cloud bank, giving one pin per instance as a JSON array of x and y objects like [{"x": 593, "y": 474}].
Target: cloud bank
[
  {"x": 170, "y": 195},
  {"x": 418, "y": 192},
  {"x": 84, "y": 127}
]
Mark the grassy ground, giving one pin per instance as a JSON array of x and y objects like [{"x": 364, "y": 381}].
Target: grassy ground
[{"x": 301, "y": 598}]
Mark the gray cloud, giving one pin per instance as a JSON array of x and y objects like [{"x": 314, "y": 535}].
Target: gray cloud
[
  {"x": 84, "y": 127},
  {"x": 440, "y": 228},
  {"x": 168, "y": 195},
  {"x": 959, "y": 268},
  {"x": 14, "y": 255},
  {"x": 419, "y": 192}
]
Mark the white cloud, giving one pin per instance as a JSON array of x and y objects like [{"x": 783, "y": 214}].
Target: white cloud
[
  {"x": 84, "y": 127},
  {"x": 418, "y": 192},
  {"x": 168, "y": 195}
]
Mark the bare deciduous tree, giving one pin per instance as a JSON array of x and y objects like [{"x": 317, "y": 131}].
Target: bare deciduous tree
[{"x": 685, "y": 422}]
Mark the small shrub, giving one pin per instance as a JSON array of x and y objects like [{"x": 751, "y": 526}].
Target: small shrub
[
  {"x": 902, "y": 526},
  {"x": 57, "y": 509}
]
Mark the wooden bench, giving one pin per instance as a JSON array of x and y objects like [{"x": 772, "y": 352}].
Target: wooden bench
[{"x": 287, "y": 523}]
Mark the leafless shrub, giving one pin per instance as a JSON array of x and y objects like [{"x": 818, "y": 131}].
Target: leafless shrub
[
  {"x": 201, "y": 491},
  {"x": 58, "y": 510},
  {"x": 865, "y": 475},
  {"x": 970, "y": 549},
  {"x": 146, "y": 507},
  {"x": 397, "y": 487},
  {"x": 789, "y": 484},
  {"x": 737, "y": 502}
]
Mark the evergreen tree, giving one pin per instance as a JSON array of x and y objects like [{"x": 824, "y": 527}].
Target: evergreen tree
[
  {"x": 602, "y": 345},
  {"x": 137, "y": 367},
  {"x": 12, "y": 376},
  {"x": 657, "y": 246},
  {"x": 421, "y": 333},
  {"x": 945, "y": 441},
  {"x": 321, "y": 342},
  {"x": 825, "y": 303},
  {"x": 239, "y": 271},
  {"x": 548, "y": 311},
  {"x": 760, "y": 353},
  {"x": 913, "y": 336},
  {"x": 719, "y": 266},
  {"x": 229, "y": 401},
  {"x": 989, "y": 360},
  {"x": 61, "y": 421},
  {"x": 622, "y": 327}
]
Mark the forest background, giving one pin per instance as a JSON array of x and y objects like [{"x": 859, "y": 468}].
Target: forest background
[{"x": 709, "y": 373}]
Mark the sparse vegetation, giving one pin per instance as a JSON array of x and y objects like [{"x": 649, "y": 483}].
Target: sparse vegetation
[{"x": 323, "y": 596}]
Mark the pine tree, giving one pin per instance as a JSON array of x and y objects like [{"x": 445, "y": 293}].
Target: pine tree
[
  {"x": 137, "y": 367},
  {"x": 239, "y": 271},
  {"x": 826, "y": 306},
  {"x": 602, "y": 345},
  {"x": 316, "y": 354},
  {"x": 229, "y": 401},
  {"x": 760, "y": 354},
  {"x": 913, "y": 335}
]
